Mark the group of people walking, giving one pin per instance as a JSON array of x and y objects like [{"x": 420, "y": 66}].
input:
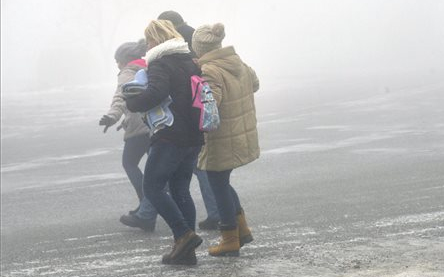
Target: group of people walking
[{"x": 173, "y": 53}]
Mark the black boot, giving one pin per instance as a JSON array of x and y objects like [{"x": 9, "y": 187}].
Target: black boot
[{"x": 135, "y": 221}]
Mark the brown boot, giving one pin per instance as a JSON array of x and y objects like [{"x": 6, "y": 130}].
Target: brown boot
[
  {"x": 187, "y": 259},
  {"x": 244, "y": 232},
  {"x": 228, "y": 246},
  {"x": 183, "y": 246}
]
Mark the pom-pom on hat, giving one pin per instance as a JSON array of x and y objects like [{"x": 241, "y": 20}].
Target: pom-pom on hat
[{"x": 207, "y": 38}]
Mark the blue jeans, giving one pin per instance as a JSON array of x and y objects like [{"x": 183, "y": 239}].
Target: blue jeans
[
  {"x": 207, "y": 194},
  {"x": 146, "y": 210},
  {"x": 168, "y": 163},
  {"x": 226, "y": 198},
  {"x": 133, "y": 151}
]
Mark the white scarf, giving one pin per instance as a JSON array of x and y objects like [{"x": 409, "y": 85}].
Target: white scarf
[{"x": 172, "y": 46}]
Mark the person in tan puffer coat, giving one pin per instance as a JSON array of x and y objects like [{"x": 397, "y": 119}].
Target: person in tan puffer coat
[{"x": 235, "y": 142}]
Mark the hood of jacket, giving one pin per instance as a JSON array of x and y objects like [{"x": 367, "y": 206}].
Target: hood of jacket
[
  {"x": 139, "y": 62},
  {"x": 225, "y": 58},
  {"x": 132, "y": 67},
  {"x": 172, "y": 46}
]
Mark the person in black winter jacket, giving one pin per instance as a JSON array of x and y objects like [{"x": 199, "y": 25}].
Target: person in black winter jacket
[
  {"x": 174, "y": 148},
  {"x": 213, "y": 218}
]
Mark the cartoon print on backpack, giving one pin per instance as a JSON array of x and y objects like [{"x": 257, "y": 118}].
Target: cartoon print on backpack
[{"x": 203, "y": 100}]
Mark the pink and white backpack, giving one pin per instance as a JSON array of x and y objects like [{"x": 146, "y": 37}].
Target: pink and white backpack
[{"x": 202, "y": 98}]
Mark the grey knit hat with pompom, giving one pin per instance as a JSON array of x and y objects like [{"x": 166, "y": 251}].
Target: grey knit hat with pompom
[{"x": 207, "y": 38}]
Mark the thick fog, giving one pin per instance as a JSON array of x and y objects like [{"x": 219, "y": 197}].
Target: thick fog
[
  {"x": 350, "y": 179},
  {"x": 51, "y": 43}
]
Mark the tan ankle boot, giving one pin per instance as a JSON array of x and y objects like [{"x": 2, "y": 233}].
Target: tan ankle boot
[
  {"x": 244, "y": 232},
  {"x": 228, "y": 246}
]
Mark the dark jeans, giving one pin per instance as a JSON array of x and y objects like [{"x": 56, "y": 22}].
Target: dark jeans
[
  {"x": 207, "y": 194},
  {"x": 168, "y": 163},
  {"x": 133, "y": 151},
  {"x": 226, "y": 197}
]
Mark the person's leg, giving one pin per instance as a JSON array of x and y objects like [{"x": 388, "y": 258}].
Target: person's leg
[
  {"x": 169, "y": 163},
  {"x": 133, "y": 151},
  {"x": 180, "y": 187},
  {"x": 235, "y": 198},
  {"x": 163, "y": 161},
  {"x": 207, "y": 195},
  {"x": 245, "y": 235},
  {"x": 225, "y": 198},
  {"x": 144, "y": 216},
  {"x": 146, "y": 210}
]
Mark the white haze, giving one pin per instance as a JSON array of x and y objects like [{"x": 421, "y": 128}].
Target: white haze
[{"x": 51, "y": 43}]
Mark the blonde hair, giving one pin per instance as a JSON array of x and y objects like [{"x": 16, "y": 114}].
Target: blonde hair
[{"x": 160, "y": 31}]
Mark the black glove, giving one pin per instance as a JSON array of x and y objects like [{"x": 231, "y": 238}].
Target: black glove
[{"x": 107, "y": 121}]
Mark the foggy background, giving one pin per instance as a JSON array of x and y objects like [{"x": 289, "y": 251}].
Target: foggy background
[
  {"x": 59, "y": 74},
  {"x": 51, "y": 43},
  {"x": 350, "y": 121}
]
